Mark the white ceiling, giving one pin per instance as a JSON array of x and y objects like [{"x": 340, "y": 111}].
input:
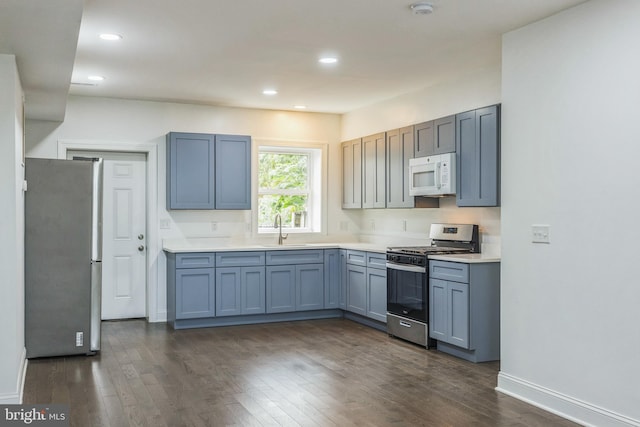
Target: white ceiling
[{"x": 225, "y": 52}]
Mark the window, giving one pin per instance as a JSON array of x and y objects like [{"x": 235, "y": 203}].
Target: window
[{"x": 289, "y": 184}]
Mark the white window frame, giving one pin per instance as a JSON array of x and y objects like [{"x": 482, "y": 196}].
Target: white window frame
[{"x": 317, "y": 183}]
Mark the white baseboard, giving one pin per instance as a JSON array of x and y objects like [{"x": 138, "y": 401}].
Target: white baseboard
[
  {"x": 16, "y": 398},
  {"x": 562, "y": 405}
]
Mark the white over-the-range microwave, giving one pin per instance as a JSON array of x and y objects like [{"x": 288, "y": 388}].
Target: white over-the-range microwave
[{"x": 433, "y": 175}]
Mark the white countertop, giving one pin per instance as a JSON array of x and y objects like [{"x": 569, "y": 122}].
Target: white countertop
[
  {"x": 210, "y": 245},
  {"x": 466, "y": 258}
]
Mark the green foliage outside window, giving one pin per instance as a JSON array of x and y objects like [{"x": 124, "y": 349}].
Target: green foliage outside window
[{"x": 283, "y": 187}]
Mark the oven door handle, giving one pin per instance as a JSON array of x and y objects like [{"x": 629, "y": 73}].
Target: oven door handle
[{"x": 403, "y": 267}]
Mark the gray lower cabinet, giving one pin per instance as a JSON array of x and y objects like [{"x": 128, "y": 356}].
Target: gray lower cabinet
[
  {"x": 281, "y": 288},
  {"x": 295, "y": 280},
  {"x": 333, "y": 297},
  {"x": 240, "y": 290},
  {"x": 240, "y": 283},
  {"x": 206, "y": 171},
  {"x": 190, "y": 286},
  {"x": 478, "y": 157},
  {"x": 464, "y": 309},
  {"x": 357, "y": 289},
  {"x": 366, "y": 284},
  {"x": 377, "y": 294}
]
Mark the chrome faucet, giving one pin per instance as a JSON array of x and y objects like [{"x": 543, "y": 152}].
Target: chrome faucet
[{"x": 278, "y": 224}]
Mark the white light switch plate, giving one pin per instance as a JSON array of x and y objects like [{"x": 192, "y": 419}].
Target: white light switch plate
[{"x": 540, "y": 233}]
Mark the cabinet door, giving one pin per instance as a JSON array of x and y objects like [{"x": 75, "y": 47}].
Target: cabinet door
[
  {"x": 444, "y": 135},
  {"x": 309, "y": 287},
  {"x": 352, "y": 174},
  {"x": 190, "y": 166},
  {"x": 233, "y": 172},
  {"x": 195, "y": 293},
  {"x": 377, "y": 294},
  {"x": 228, "y": 291},
  {"x": 458, "y": 314},
  {"x": 400, "y": 149},
  {"x": 281, "y": 291},
  {"x": 252, "y": 290},
  {"x": 332, "y": 278},
  {"x": 438, "y": 309},
  {"x": 424, "y": 136},
  {"x": 374, "y": 171},
  {"x": 357, "y": 289},
  {"x": 478, "y": 157},
  {"x": 343, "y": 279}
]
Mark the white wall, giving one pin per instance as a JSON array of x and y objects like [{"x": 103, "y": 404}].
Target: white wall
[
  {"x": 476, "y": 89},
  {"x": 131, "y": 122},
  {"x": 12, "y": 353},
  {"x": 570, "y": 132}
]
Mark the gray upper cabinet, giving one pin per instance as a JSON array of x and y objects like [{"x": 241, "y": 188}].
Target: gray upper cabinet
[
  {"x": 400, "y": 148},
  {"x": 445, "y": 135},
  {"x": 233, "y": 172},
  {"x": 435, "y": 137},
  {"x": 332, "y": 279},
  {"x": 478, "y": 157},
  {"x": 207, "y": 171},
  {"x": 374, "y": 172},
  {"x": 190, "y": 178},
  {"x": 352, "y": 174},
  {"x": 423, "y": 139}
]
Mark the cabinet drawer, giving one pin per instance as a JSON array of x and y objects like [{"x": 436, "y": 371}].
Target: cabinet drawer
[
  {"x": 376, "y": 260},
  {"x": 453, "y": 271},
  {"x": 195, "y": 260},
  {"x": 357, "y": 258},
  {"x": 239, "y": 259},
  {"x": 303, "y": 256}
]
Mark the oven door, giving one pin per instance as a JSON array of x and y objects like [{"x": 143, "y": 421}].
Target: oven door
[{"x": 407, "y": 291}]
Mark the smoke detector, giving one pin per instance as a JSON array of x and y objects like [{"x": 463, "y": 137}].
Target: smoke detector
[{"x": 421, "y": 8}]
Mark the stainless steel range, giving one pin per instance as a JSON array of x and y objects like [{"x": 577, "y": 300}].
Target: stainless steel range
[{"x": 408, "y": 279}]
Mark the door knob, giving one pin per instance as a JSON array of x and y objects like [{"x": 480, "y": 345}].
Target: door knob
[
  {"x": 141, "y": 248},
  {"x": 140, "y": 236}
]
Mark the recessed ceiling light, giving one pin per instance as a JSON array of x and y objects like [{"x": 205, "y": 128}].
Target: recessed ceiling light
[
  {"x": 110, "y": 36},
  {"x": 269, "y": 92},
  {"x": 300, "y": 107},
  {"x": 96, "y": 78},
  {"x": 328, "y": 60},
  {"x": 421, "y": 8}
]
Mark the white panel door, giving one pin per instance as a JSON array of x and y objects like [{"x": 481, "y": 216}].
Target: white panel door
[{"x": 124, "y": 251}]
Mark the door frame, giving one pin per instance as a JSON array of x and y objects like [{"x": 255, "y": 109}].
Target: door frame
[{"x": 151, "y": 150}]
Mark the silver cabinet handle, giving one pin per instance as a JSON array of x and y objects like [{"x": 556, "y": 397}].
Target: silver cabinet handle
[
  {"x": 141, "y": 248},
  {"x": 405, "y": 324}
]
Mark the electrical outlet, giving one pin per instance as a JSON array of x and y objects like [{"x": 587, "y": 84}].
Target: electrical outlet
[
  {"x": 165, "y": 224},
  {"x": 404, "y": 225},
  {"x": 214, "y": 226},
  {"x": 372, "y": 225},
  {"x": 540, "y": 233}
]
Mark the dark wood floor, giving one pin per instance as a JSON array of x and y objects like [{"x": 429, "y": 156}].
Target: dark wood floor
[{"x": 317, "y": 373}]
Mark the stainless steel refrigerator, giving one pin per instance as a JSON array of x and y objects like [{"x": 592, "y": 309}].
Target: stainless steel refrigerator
[{"x": 63, "y": 254}]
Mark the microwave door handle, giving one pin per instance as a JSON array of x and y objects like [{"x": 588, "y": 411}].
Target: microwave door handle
[{"x": 437, "y": 175}]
